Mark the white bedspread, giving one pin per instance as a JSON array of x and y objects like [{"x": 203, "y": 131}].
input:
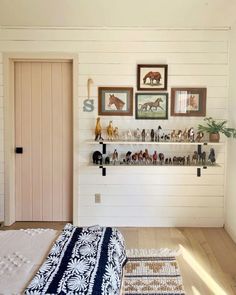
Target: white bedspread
[{"x": 21, "y": 254}]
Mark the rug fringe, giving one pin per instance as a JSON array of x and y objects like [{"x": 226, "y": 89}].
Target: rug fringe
[{"x": 162, "y": 252}]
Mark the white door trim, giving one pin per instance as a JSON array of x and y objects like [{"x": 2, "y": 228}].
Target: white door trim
[{"x": 9, "y": 127}]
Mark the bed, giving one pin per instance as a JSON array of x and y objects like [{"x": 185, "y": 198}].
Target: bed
[{"x": 85, "y": 261}]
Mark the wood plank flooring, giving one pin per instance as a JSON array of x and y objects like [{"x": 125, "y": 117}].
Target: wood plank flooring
[{"x": 207, "y": 262}]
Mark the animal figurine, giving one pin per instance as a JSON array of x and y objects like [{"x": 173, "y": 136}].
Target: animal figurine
[
  {"x": 135, "y": 158},
  {"x": 147, "y": 136},
  {"x": 140, "y": 156},
  {"x": 107, "y": 160},
  {"x": 185, "y": 135},
  {"x": 179, "y": 135},
  {"x": 188, "y": 160},
  {"x": 175, "y": 162},
  {"x": 110, "y": 131},
  {"x": 116, "y": 133},
  {"x": 128, "y": 157},
  {"x": 143, "y": 135},
  {"x": 97, "y": 158},
  {"x": 138, "y": 134},
  {"x": 113, "y": 100},
  {"x": 170, "y": 161},
  {"x": 154, "y": 158},
  {"x": 152, "y": 76},
  {"x": 115, "y": 157},
  {"x": 191, "y": 134},
  {"x": 152, "y": 135},
  {"x": 212, "y": 156},
  {"x": 98, "y": 130},
  {"x": 173, "y": 135},
  {"x": 199, "y": 136},
  {"x": 203, "y": 158},
  {"x": 161, "y": 158},
  {"x": 129, "y": 135},
  {"x": 195, "y": 158},
  {"x": 166, "y": 161}
]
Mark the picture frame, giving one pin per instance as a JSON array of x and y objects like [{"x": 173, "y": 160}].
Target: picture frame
[
  {"x": 151, "y": 106},
  {"x": 152, "y": 77},
  {"x": 188, "y": 102},
  {"x": 115, "y": 101}
]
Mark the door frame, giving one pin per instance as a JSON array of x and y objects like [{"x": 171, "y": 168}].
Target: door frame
[{"x": 9, "y": 126}]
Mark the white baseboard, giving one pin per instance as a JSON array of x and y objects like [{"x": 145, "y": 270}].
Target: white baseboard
[{"x": 231, "y": 232}]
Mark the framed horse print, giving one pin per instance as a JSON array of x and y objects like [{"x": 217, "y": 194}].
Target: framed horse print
[
  {"x": 152, "y": 77},
  {"x": 188, "y": 102},
  {"x": 115, "y": 101},
  {"x": 151, "y": 106}
]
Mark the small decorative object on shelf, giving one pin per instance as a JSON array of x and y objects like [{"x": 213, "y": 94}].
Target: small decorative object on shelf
[
  {"x": 138, "y": 134},
  {"x": 195, "y": 158},
  {"x": 107, "y": 160},
  {"x": 154, "y": 157},
  {"x": 116, "y": 133},
  {"x": 214, "y": 128},
  {"x": 185, "y": 135},
  {"x": 98, "y": 130},
  {"x": 129, "y": 135},
  {"x": 212, "y": 156},
  {"x": 97, "y": 158},
  {"x": 152, "y": 135},
  {"x": 179, "y": 135},
  {"x": 200, "y": 135},
  {"x": 128, "y": 157},
  {"x": 188, "y": 160},
  {"x": 143, "y": 135},
  {"x": 191, "y": 134},
  {"x": 173, "y": 136},
  {"x": 110, "y": 131},
  {"x": 115, "y": 157},
  {"x": 161, "y": 158}
]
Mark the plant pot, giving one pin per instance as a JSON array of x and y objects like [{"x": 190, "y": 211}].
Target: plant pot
[{"x": 214, "y": 137}]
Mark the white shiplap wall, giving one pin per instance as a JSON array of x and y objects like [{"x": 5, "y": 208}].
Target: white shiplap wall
[{"x": 140, "y": 196}]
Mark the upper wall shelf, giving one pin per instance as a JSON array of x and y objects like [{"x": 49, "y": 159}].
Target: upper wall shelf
[{"x": 154, "y": 142}]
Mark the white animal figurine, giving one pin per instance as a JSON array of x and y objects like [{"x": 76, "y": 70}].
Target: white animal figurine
[
  {"x": 138, "y": 134},
  {"x": 129, "y": 135}
]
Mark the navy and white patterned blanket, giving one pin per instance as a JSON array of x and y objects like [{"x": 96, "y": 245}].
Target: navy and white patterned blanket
[{"x": 82, "y": 261}]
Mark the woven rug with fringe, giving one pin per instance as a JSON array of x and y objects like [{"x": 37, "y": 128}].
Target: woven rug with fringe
[{"x": 153, "y": 272}]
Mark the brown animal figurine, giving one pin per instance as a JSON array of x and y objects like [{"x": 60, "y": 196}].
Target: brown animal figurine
[
  {"x": 116, "y": 133},
  {"x": 185, "y": 135},
  {"x": 110, "y": 131},
  {"x": 154, "y": 158},
  {"x": 119, "y": 104},
  {"x": 161, "y": 158},
  {"x": 173, "y": 135},
  {"x": 98, "y": 130},
  {"x": 199, "y": 137},
  {"x": 115, "y": 156}
]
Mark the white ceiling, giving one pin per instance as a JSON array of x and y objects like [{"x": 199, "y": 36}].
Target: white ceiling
[{"x": 106, "y": 13}]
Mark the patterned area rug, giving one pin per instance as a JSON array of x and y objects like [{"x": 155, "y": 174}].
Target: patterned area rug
[{"x": 152, "y": 272}]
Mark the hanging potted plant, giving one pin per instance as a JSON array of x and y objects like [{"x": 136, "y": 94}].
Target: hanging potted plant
[{"x": 214, "y": 129}]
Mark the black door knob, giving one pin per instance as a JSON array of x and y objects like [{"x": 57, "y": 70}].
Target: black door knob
[{"x": 19, "y": 150}]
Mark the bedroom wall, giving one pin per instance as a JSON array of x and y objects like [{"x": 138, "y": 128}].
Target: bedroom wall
[
  {"x": 231, "y": 171},
  {"x": 139, "y": 196}
]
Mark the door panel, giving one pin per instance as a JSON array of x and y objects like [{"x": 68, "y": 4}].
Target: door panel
[{"x": 43, "y": 126}]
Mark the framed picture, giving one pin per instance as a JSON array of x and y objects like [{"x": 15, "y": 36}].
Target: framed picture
[
  {"x": 152, "y": 77},
  {"x": 151, "y": 106},
  {"x": 188, "y": 102},
  {"x": 115, "y": 101}
]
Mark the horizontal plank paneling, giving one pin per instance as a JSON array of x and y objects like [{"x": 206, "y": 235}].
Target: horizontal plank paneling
[
  {"x": 158, "y": 201},
  {"x": 157, "y": 190},
  {"x": 124, "y": 211},
  {"x": 163, "y": 196},
  {"x": 114, "y": 34}
]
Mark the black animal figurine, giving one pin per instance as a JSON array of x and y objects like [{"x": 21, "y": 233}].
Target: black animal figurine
[
  {"x": 107, "y": 160},
  {"x": 128, "y": 157},
  {"x": 143, "y": 134},
  {"x": 161, "y": 158},
  {"x": 97, "y": 158},
  {"x": 212, "y": 156},
  {"x": 152, "y": 135}
]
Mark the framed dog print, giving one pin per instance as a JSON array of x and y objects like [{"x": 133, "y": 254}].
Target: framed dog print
[
  {"x": 152, "y": 77},
  {"x": 115, "y": 101},
  {"x": 188, "y": 102},
  {"x": 151, "y": 106}
]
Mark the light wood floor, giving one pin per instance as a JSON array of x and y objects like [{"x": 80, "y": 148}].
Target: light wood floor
[{"x": 207, "y": 262}]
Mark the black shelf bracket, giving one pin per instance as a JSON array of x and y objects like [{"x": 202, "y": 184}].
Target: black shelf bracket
[
  {"x": 104, "y": 148},
  {"x": 104, "y": 170}
]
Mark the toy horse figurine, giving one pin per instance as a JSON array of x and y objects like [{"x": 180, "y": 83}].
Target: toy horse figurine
[
  {"x": 154, "y": 158},
  {"x": 185, "y": 135},
  {"x": 116, "y": 133},
  {"x": 98, "y": 130},
  {"x": 212, "y": 156},
  {"x": 129, "y": 135},
  {"x": 179, "y": 135},
  {"x": 173, "y": 135},
  {"x": 115, "y": 156},
  {"x": 199, "y": 137},
  {"x": 143, "y": 135},
  {"x": 191, "y": 134},
  {"x": 110, "y": 131},
  {"x": 152, "y": 135},
  {"x": 138, "y": 134}
]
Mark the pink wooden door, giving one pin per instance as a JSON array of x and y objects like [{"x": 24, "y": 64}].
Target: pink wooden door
[{"x": 43, "y": 127}]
